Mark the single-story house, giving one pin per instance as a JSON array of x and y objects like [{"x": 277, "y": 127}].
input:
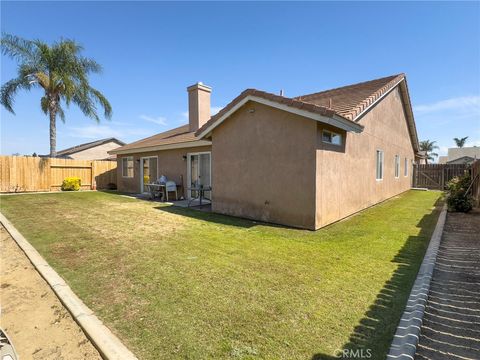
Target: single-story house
[
  {"x": 94, "y": 150},
  {"x": 463, "y": 155},
  {"x": 305, "y": 161}
]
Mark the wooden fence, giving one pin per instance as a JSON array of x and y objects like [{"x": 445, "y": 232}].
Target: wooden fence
[
  {"x": 22, "y": 173},
  {"x": 436, "y": 176},
  {"x": 475, "y": 174}
]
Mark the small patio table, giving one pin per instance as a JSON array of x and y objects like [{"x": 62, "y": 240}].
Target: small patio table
[
  {"x": 200, "y": 193},
  {"x": 153, "y": 188}
]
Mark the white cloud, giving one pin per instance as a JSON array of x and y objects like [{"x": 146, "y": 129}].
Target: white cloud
[
  {"x": 464, "y": 105},
  {"x": 443, "y": 150},
  {"x": 94, "y": 132},
  {"x": 215, "y": 109},
  {"x": 470, "y": 142},
  {"x": 105, "y": 131},
  {"x": 158, "y": 120}
]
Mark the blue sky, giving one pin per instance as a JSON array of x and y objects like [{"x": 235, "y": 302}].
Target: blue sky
[{"x": 151, "y": 51}]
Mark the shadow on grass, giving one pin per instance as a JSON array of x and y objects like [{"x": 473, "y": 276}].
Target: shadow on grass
[
  {"x": 372, "y": 337},
  {"x": 214, "y": 218},
  {"x": 208, "y": 216}
]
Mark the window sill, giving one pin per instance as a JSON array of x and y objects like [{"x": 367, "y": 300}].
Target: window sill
[{"x": 329, "y": 143}]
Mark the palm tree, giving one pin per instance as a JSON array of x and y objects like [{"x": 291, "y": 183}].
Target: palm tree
[
  {"x": 460, "y": 142},
  {"x": 60, "y": 71},
  {"x": 429, "y": 146}
]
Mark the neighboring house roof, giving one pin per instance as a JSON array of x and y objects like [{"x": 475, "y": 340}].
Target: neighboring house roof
[
  {"x": 442, "y": 159},
  {"x": 342, "y": 107},
  {"x": 456, "y": 153},
  {"x": 175, "y": 138},
  {"x": 77, "y": 148},
  {"x": 463, "y": 159},
  {"x": 460, "y": 155}
]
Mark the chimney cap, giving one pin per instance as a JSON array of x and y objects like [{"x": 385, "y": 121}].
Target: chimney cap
[{"x": 199, "y": 85}]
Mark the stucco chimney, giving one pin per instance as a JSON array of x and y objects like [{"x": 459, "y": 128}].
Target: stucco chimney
[{"x": 198, "y": 105}]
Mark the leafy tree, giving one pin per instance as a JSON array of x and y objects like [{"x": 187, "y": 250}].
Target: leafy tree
[
  {"x": 60, "y": 71},
  {"x": 429, "y": 146},
  {"x": 460, "y": 142}
]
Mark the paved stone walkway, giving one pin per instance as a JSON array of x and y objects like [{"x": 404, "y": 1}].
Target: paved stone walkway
[{"x": 451, "y": 325}]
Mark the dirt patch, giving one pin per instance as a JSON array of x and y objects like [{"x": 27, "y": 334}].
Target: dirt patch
[{"x": 37, "y": 323}]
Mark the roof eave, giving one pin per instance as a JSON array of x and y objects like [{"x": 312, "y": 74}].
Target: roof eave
[
  {"x": 409, "y": 113},
  {"x": 186, "y": 144},
  {"x": 402, "y": 84},
  {"x": 334, "y": 120}
]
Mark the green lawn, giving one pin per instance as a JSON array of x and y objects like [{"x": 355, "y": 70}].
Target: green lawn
[{"x": 178, "y": 283}]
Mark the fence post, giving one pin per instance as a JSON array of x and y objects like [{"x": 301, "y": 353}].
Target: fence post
[
  {"x": 48, "y": 169},
  {"x": 443, "y": 178},
  {"x": 92, "y": 172},
  {"x": 414, "y": 175}
]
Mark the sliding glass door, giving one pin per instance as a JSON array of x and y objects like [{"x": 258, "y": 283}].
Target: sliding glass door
[
  {"x": 148, "y": 172},
  {"x": 199, "y": 173}
]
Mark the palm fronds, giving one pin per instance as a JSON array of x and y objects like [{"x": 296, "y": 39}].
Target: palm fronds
[
  {"x": 60, "y": 70},
  {"x": 460, "y": 142}
]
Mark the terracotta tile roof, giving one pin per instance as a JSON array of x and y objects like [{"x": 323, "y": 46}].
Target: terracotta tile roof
[
  {"x": 350, "y": 101},
  {"x": 178, "y": 135},
  {"x": 347, "y": 103},
  {"x": 292, "y": 102}
]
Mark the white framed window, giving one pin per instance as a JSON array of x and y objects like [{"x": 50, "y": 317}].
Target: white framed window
[
  {"x": 127, "y": 166},
  {"x": 397, "y": 166},
  {"x": 331, "y": 137},
  {"x": 379, "y": 161},
  {"x": 405, "y": 171}
]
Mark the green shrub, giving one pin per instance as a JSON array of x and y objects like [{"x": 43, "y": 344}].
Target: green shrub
[
  {"x": 458, "y": 199},
  {"x": 71, "y": 184}
]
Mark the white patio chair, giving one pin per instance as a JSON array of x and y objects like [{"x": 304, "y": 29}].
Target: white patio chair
[{"x": 171, "y": 186}]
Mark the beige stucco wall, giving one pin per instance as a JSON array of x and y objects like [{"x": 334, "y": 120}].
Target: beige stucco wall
[
  {"x": 345, "y": 178},
  {"x": 96, "y": 153},
  {"x": 263, "y": 166},
  {"x": 272, "y": 166},
  {"x": 170, "y": 163}
]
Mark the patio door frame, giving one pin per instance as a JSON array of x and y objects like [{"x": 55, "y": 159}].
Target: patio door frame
[
  {"x": 142, "y": 190},
  {"x": 189, "y": 169}
]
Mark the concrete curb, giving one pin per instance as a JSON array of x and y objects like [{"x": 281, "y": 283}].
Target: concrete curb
[
  {"x": 107, "y": 344},
  {"x": 404, "y": 344}
]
